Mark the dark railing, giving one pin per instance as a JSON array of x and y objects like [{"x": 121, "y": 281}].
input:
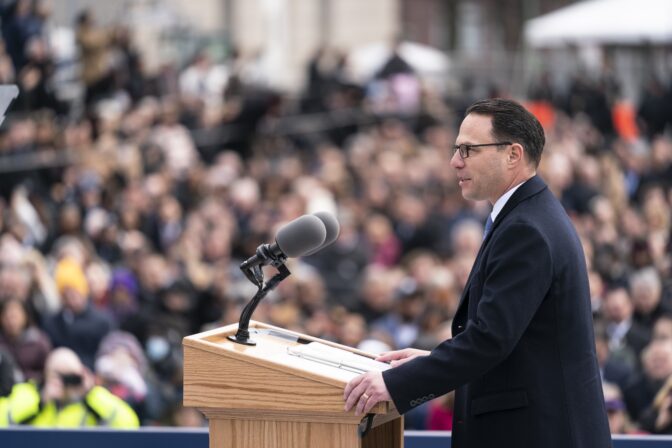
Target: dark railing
[{"x": 22, "y": 437}]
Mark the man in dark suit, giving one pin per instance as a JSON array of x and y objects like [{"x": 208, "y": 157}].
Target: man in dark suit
[{"x": 522, "y": 357}]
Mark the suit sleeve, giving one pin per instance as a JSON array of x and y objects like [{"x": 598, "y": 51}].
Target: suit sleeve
[{"x": 511, "y": 283}]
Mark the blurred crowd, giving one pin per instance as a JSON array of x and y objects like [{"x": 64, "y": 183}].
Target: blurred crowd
[{"x": 125, "y": 214}]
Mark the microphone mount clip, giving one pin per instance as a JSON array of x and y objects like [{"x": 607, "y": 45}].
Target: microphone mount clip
[{"x": 256, "y": 276}]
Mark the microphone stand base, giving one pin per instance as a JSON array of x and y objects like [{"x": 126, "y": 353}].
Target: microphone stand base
[{"x": 241, "y": 340}]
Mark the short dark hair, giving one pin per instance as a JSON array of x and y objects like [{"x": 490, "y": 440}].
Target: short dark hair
[{"x": 512, "y": 122}]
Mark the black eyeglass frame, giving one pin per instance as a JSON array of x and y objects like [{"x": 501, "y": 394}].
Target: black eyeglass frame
[{"x": 464, "y": 149}]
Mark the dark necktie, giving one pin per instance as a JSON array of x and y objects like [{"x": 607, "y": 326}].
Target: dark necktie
[{"x": 488, "y": 227}]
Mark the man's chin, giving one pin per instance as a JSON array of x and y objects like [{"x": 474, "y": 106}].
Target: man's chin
[{"x": 468, "y": 195}]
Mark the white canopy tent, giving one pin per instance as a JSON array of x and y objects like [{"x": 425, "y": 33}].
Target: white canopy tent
[
  {"x": 430, "y": 63},
  {"x": 615, "y": 22}
]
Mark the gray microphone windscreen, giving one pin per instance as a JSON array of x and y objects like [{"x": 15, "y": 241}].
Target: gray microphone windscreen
[
  {"x": 300, "y": 236},
  {"x": 333, "y": 229}
]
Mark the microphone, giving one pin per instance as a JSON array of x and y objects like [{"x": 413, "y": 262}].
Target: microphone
[
  {"x": 333, "y": 229},
  {"x": 296, "y": 238}
]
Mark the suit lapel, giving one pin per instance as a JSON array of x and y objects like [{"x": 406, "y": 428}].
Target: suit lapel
[{"x": 531, "y": 187}]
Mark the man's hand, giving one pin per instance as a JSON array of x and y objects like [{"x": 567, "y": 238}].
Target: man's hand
[
  {"x": 365, "y": 391},
  {"x": 400, "y": 357}
]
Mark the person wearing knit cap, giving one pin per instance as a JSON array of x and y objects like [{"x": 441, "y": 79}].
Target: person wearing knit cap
[
  {"x": 71, "y": 283},
  {"x": 78, "y": 325}
]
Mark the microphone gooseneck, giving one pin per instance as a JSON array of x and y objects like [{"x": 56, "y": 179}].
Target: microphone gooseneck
[{"x": 304, "y": 235}]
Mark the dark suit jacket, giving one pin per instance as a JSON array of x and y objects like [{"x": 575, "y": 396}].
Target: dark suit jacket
[{"x": 522, "y": 356}]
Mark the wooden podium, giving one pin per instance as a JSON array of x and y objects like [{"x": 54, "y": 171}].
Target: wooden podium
[{"x": 262, "y": 396}]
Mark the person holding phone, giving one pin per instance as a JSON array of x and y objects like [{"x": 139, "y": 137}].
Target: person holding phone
[{"x": 67, "y": 398}]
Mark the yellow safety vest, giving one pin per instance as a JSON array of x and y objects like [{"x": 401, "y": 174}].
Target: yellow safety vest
[{"x": 99, "y": 408}]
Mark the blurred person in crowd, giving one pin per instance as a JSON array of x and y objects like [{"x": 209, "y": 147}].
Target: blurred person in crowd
[
  {"x": 122, "y": 296},
  {"x": 68, "y": 398},
  {"x": 175, "y": 141},
  {"x": 612, "y": 369},
  {"x": 103, "y": 231},
  {"x": 626, "y": 337},
  {"x": 402, "y": 322},
  {"x": 310, "y": 293},
  {"x": 653, "y": 110},
  {"x": 466, "y": 238},
  {"x": 122, "y": 368},
  {"x": 98, "y": 276},
  {"x": 443, "y": 291},
  {"x": 441, "y": 411},
  {"x": 660, "y": 165},
  {"x": 128, "y": 73},
  {"x": 24, "y": 276},
  {"x": 603, "y": 214},
  {"x": 163, "y": 327},
  {"x": 79, "y": 325},
  {"x": 343, "y": 264},
  {"x": 202, "y": 80},
  {"x": 656, "y": 214},
  {"x": 24, "y": 340},
  {"x": 597, "y": 289},
  {"x": 662, "y": 329},
  {"x": 376, "y": 299},
  {"x": 9, "y": 374},
  {"x": 421, "y": 265},
  {"x": 654, "y": 207},
  {"x": 646, "y": 290},
  {"x": 461, "y": 266},
  {"x": 613, "y": 182},
  {"x": 21, "y": 21},
  {"x": 14, "y": 277},
  {"x": 588, "y": 97},
  {"x": 69, "y": 221},
  {"x": 35, "y": 80},
  {"x": 384, "y": 246},
  {"x": 73, "y": 248},
  {"x": 94, "y": 44},
  {"x": 656, "y": 368},
  {"x": 577, "y": 197},
  {"x": 326, "y": 79},
  {"x": 351, "y": 330},
  {"x": 167, "y": 224},
  {"x": 619, "y": 422},
  {"x": 503, "y": 359},
  {"x": 657, "y": 418},
  {"x": 152, "y": 269},
  {"x": 415, "y": 225}
]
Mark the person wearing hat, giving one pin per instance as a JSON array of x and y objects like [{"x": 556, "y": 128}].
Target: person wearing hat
[{"x": 78, "y": 325}]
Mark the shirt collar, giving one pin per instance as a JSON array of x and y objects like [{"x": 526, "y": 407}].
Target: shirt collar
[{"x": 503, "y": 199}]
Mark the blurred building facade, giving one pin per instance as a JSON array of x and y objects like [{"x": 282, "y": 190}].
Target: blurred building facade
[{"x": 483, "y": 36}]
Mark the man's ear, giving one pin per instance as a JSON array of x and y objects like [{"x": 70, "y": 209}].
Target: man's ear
[{"x": 516, "y": 154}]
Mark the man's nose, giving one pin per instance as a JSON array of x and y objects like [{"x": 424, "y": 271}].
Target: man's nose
[{"x": 456, "y": 161}]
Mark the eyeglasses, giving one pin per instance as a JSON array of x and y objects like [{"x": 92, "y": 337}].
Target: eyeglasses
[{"x": 465, "y": 149}]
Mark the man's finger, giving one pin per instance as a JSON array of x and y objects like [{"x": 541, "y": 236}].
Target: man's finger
[
  {"x": 351, "y": 385},
  {"x": 398, "y": 362},
  {"x": 390, "y": 356},
  {"x": 356, "y": 393},
  {"x": 362, "y": 403},
  {"x": 370, "y": 403}
]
